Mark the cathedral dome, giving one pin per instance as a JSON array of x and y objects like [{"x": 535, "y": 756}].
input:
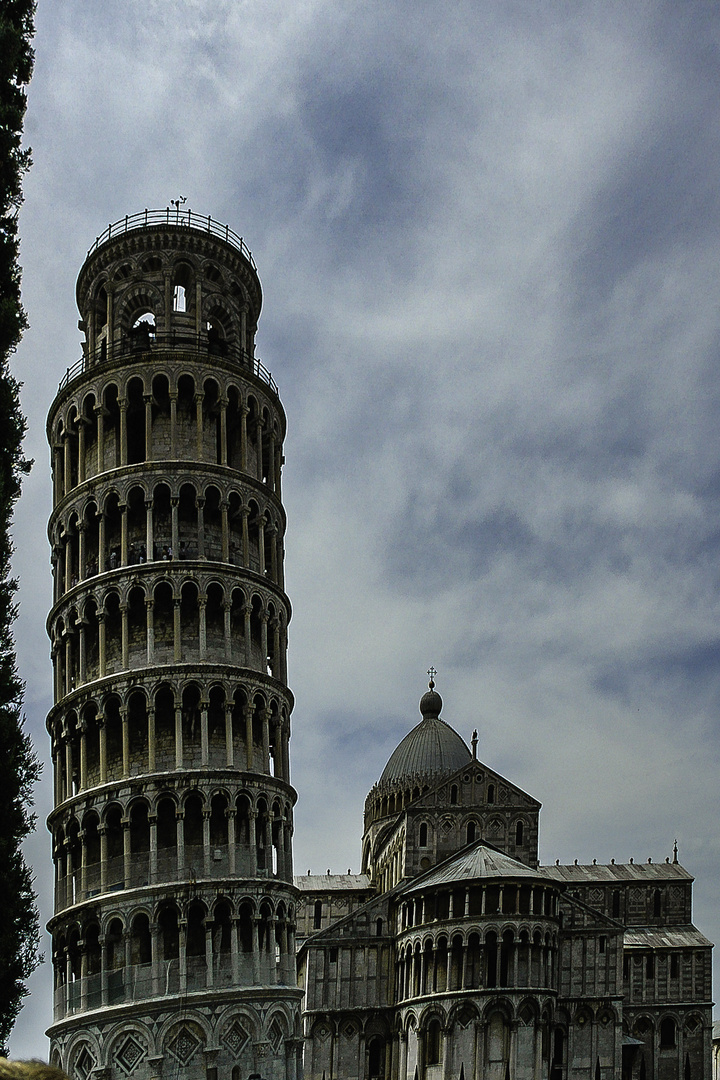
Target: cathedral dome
[{"x": 432, "y": 748}]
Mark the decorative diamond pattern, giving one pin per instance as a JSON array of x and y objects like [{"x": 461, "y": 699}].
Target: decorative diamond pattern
[
  {"x": 130, "y": 1054},
  {"x": 236, "y": 1038},
  {"x": 184, "y": 1046},
  {"x": 275, "y": 1034},
  {"x": 84, "y": 1063}
]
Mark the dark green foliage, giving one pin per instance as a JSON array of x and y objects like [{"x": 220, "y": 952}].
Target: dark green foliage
[{"x": 18, "y": 766}]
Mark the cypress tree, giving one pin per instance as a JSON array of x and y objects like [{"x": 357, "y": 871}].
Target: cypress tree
[{"x": 19, "y": 768}]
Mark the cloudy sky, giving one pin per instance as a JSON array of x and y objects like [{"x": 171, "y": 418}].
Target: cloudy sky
[{"x": 489, "y": 241}]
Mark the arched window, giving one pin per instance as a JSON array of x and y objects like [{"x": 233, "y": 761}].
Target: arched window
[
  {"x": 491, "y": 793},
  {"x": 519, "y": 831},
  {"x": 376, "y": 1058},
  {"x": 378, "y": 928},
  {"x": 650, "y": 966},
  {"x": 423, "y": 834},
  {"x": 616, "y": 904},
  {"x": 453, "y": 794},
  {"x": 317, "y": 915},
  {"x": 657, "y": 904},
  {"x": 470, "y": 832},
  {"x": 667, "y": 1033},
  {"x": 433, "y": 1042}
]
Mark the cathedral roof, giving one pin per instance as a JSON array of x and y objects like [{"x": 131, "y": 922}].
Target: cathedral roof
[
  {"x": 481, "y": 861},
  {"x": 432, "y": 748}
]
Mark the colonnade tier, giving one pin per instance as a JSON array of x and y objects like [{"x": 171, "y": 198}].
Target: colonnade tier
[
  {"x": 165, "y": 947},
  {"x": 504, "y": 897},
  {"x": 174, "y": 841},
  {"x": 391, "y": 797},
  {"x": 134, "y": 519},
  {"x": 176, "y": 412},
  {"x": 482, "y": 958},
  {"x": 167, "y": 617},
  {"x": 132, "y": 732}
]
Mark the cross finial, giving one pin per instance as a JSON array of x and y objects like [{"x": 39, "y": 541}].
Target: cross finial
[{"x": 432, "y": 673}]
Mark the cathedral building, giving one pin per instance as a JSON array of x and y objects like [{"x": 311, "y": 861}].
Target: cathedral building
[
  {"x": 183, "y": 948},
  {"x": 455, "y": 954}
]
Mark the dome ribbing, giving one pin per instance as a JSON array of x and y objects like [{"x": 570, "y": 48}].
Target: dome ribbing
[{"x": 432, "y": 748}]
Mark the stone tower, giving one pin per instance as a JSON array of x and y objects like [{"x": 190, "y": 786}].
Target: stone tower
[{"x": 174, "y": 926}]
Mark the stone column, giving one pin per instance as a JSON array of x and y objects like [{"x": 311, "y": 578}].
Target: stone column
[
  {"x": 178, "y": 738},
  {"x": 202, "y": 626},
  {"x": 200, "y": 504},
  {"x": 155, "y": 957},
  {"x": 68, "y": 762},
  {"x": 403, "y": 1056},
  {"x": 102, "y": 738},
  {"x": 243, "y": 328},
  {"x": 182, "y": 935},
  {"x": 246, "y": 611},
  {"x": 102, "y": 942},
  {"x": 223, "y": 403},
  {"x": 230, "y": 813},
  {"x": 199, "y": 398},
  {"x": 271, "y": 460},
  {"x": 258, "y": 432},
  {"x": 127, "y": 854},
  {"x": 261, "y": 542},
  {"x": 273, "y": 554},
  {"x": 225, "y": 531},
  {"x": 110, "y": 330},
  {"x": 123, "y": 534},
  {"x": 58, "y": 474},
  {"x": 125, "y": 637},
  {"x": 101, "y": 543},
  {"x": 101, "y": 644},
  {"x": 252, "y": 817},
  {"x": 81, "y": 449},
  {"x": 208, "y": 951},
  {"x": 248, "y": 711},
  {"x": 177, "y": 652},
  {"x": 82, "y": 674},
  {"x": 151, "y": 738},
  {"x": 173, "y": 424},
  {"x": 149, "y": 531},
  {"x": 100, "y": 425},
  {"x": 147, "y": 398},
  {"x": 265, "y": 718},
  {"x": 244, "y": 513},
  {"x": 82, "y": 727},
  {"x": 227, "y": 629},
  {"x": 152, "y": 821},
  {"x": 255, "y": 949},
  {"x": 180, "y": 839},
  {"x": 81, "y": 550},
  {"x": 204, "y": 739},
  {"x": 174, "y": 527},
  {"x": 123, "y": 406},
  {"x": 67, "y": 464},
  {"x": 150, "y": 630},
  {"x": 229, "y": 748},
  {"x": 243, "y": 438},
  {"x": 234, "y": 956}
]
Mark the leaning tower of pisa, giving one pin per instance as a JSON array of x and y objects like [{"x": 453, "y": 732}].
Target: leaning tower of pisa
[{"x": 173, "y": 933}]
